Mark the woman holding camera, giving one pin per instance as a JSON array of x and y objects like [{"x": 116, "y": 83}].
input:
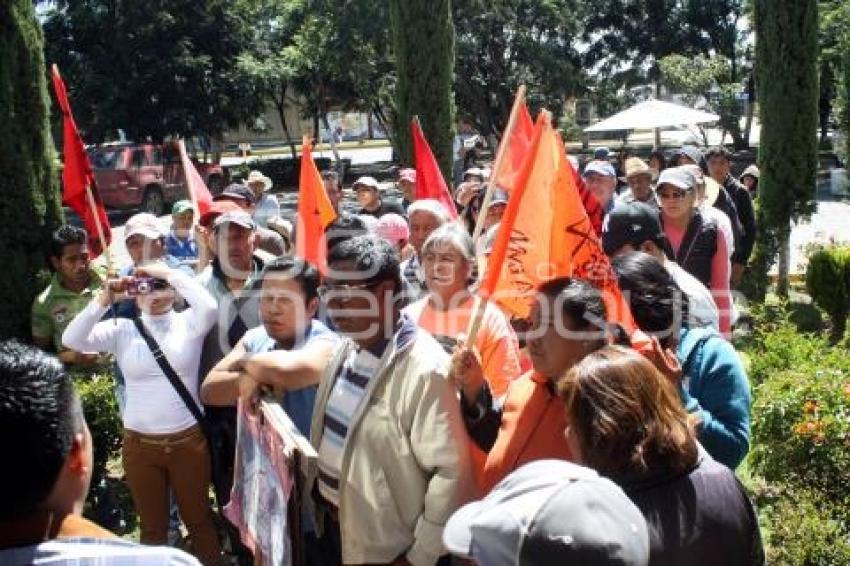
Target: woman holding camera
[{"x": 164, "y": 448}]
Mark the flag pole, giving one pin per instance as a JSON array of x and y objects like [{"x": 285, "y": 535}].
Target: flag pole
[
  {"x": 103, "y": 246},
  {"x": 497, "y": 164},
  {"x": 181, "y": 148},
  {"x": 481, "y": 302}
]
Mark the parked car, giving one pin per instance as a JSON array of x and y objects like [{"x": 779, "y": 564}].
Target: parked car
[{"x": 146, "y": 177}]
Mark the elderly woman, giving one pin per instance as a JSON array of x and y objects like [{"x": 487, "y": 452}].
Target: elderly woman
[
  {"x": 164, "y": 448},
  {"x": 448, "y": 261},
  {"x": 624, "y": 420},
  {"x": 567, "y": 323}
]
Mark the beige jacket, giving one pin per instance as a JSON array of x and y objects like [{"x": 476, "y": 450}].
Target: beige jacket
[{"x": 405, "y": 464}]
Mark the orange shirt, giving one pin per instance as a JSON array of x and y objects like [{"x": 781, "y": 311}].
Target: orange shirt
[
  {"x": 496, "y": 340},
  {"x": 533, "y": 422}
]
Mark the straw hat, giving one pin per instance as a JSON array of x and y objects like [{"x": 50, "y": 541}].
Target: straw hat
[
  {"x": 636, "y": 166},
  {"x": 258, "y": 177}
]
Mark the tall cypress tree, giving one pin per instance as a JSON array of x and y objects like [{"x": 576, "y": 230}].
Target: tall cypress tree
[
  {"x": 423, "y": 37},
  {"x": 29, "y": 197},
  {"x": 787, "y": 90}
]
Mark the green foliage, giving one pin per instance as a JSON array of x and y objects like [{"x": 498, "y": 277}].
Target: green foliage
[
  {"x": 97, "y": 394},
  {"x": 505, "y": 43},
  {"x": 801, "y": 428},
  {"x": 807, "y": 530},
  {"x": 828, "y": 282},
  {"x": 30, "y": 205},
  {"x": 786, "y": 38},
  {"x": 154, "y": 68},
  {"x": 569, "y": 128},
  {"x": 423, "y": 39}
]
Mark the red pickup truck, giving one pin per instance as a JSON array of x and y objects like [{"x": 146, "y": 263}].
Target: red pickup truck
[{"x": 146, "y": 177}]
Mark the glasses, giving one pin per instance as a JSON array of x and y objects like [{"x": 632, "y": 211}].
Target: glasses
[
  {"x": 342, "y": 291},
  {"x": 672, "y": 195}
]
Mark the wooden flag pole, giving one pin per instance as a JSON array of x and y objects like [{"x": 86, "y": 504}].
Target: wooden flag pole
[
  {"x": 497, "y": 164},
  {"x": 103, "y": 246},
  {"x": 481, "y": 302}
]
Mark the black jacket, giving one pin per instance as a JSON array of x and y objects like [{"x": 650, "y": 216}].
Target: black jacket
[
  {"x": 699, "y": 518},
  {"x": 746, "y": 216}
]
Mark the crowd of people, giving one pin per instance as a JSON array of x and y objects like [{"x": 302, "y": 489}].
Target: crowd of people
[{"x": 543, "y": 441}]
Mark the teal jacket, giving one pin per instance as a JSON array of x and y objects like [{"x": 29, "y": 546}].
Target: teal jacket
[{"x": 715, "y": 386}]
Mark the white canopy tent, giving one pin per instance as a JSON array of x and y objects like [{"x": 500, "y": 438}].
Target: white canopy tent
[{"x": 652, "y": 115}]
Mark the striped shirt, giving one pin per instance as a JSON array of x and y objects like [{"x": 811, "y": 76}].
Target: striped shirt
[{"x": 348, "y": 392}]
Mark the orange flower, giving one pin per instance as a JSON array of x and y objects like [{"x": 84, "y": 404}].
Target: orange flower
[{"x": 810, "y": 407}]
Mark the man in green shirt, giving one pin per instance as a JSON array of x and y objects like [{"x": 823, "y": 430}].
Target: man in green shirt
[{"x": 74, "y": 282}]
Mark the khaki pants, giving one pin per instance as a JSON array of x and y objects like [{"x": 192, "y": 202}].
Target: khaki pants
[{"x": 180, "y": 461}]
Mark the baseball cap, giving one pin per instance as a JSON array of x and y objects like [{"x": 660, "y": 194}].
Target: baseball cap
[
  {"x": 601, "y": 153},
  {"x": 550, "y": 512},
  {"x": 690, "y": 151},
  {"x": 392, "y": 228},
  {"x": 630, "y": 223},
  {"x": 500, "y": 196},
  {"x": 236, "y": 191},
  {"x": 145, "y": 224},
  {"x": 238, "y": 217},
  {"x": 217, "y": 209},
  {"x": 408, "y": 175},
  {"x": 474, "y": 172},
  {"x": 678, "y": 177},
  {"x": 366, "y": 181},
  {"x": 181, "y": 206},
  {"x": 599, "y": 167}
]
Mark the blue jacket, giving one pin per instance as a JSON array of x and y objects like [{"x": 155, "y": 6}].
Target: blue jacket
[{"x": 715, "y": 386}]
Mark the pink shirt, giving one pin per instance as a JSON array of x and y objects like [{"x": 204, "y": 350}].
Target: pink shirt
[{"x": 720, "y": 273}]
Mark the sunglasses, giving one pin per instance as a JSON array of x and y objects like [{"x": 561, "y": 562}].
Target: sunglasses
[{"x": 672, "y": 195}]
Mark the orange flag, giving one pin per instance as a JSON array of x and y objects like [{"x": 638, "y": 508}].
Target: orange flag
[
  {"x": 517, "y": 148},
  {"x": 545, "y": 233},
  {"x": 315, "y": 211}
]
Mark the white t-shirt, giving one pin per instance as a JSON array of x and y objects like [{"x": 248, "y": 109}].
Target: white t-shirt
[
  {"x": 153, "y": 406},
  {"x": 702, "y": 310}
]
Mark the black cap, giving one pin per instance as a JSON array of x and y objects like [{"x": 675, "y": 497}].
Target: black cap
[
  {"x": 237, "y": 191},
  {"x": 630, "y": 223}
]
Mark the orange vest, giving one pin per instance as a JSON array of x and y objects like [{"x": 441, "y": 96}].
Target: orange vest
[{"x": 533, "y": 422}]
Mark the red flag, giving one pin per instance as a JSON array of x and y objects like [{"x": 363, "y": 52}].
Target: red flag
[
  {"x": 79, "y": 190},
  {"x": 198, "y": 191},
  {"x": 516, "y": 151},
  {"x": 545, "y": 233},
  {"x": 315, "y": 211},
  {"x": 429, "y": 180}
]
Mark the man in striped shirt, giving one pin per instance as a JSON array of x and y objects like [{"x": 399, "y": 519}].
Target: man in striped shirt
[{"x": 393, "y": 458}]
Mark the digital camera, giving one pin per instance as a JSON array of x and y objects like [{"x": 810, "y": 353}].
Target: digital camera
[{"x": 144, "y": 285}]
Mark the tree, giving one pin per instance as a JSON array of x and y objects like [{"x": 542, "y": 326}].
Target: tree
[
  {"x": 29, "y": 209},
  {"x": 152, "y": 69},
  {"x": 423, "y": 38},
  {"x": 834, "y": 42},
  {"x": 503, "y": 44},
  {"x": 706, "y": 80},
  {"x": 786, "y": 39},
  {"x": 269, "y": 65}
]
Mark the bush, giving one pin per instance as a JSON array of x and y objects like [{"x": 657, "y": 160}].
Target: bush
[
  {"x": 828, "y": 282},
  {"x": 801, "y": 428},
  {"x": 807, "y": 530},
  {"x": 101, "y": 411}
]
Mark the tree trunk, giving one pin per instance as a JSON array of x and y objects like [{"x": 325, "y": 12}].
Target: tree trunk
[
  {"x": 751, "y": 107},
  {"x": 423, "y": 37},
  {"x": 280, "y": 105},
  {"x": 30, "y": 208}
]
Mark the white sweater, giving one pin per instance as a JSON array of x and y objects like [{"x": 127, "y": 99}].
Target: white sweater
[{"x": 153, "y": 406}]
